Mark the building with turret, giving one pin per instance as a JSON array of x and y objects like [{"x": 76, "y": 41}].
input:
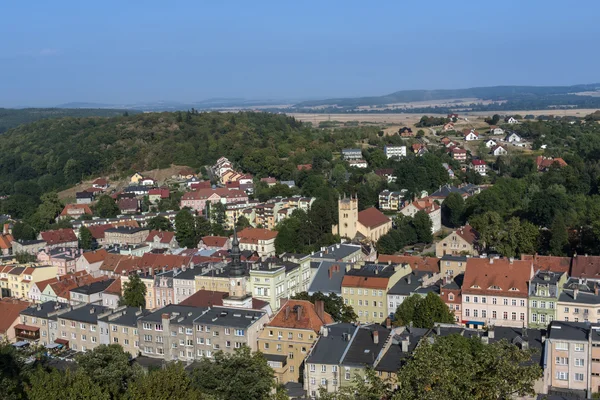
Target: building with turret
[{"x": 368, "y": 224}]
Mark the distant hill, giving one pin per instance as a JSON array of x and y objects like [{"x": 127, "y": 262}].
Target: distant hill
[
  {"x": 10, "y": 118},
  {"x": 494, "y": 93}
]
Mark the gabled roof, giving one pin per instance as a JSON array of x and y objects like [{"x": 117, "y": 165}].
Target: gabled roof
[
  {"x": 254, "y": 235},
  {"x": 6, "y": 241},
  {"x": 209, "y": 298},
  {"x": 372, "y": 218},
  {"x": 468, "y": 233},
  {"x": 10, "y": 310},
  {"x": 86, "y": 209},
  {"x": 214, "y": 241},
  {"x": 93, "y": 257},
  {"x": 426, "y": 204},
  {"x": 478, "y": 162},
  {"x": 98, "y": 230},
  {"x": 202, "y": 194},
  {"x": 59, "y": 236},
  {"x": 114, "y": 288},
  {"x": 586, "y": 267},
  {"x": 100, "y": 181},
  {"x": 162, "y": 192},
  {"x": 128, "y": 204},
  {"x": 549, "y": 263},
  {"x": 430, "y": 264},
  {"x": 164, "y": 236},
  {"x": 500, "y": 276},
  {"x": 299, "y": 314}
]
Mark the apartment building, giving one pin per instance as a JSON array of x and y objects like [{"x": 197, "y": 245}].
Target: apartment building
[
  {"x": 258, "y": 239},
  {"x": 90, "y": 261},
  {"x": 197, "y": 199},
  {"x": 125, "y": 235},
  {"x": 579, "y": 301},
  {"x": 544, "y": 290},
  {"x": 351, "y": 154},
  {"x": 463, "y": 241},
  {"x": 451, "y": 295},
  {"x": 9, "y": 321},
  {"x": 18, "y": 281},
  {"x": 288, "y": 338},
  {"x": 39, "y": 322},
  {"x": 495, "y": 292},
  {"x": 430, "y": 207},
  {"x": 90, "y": 293},
  {"x": 408, "y": 285},
  {"x": 82, "y": 328},
  {"x": 452, "y": 265},
  {"x": 365, "y": 289},
  {"x": 123, "y": 328},
  {"x": 391, "y": 201},
  {"x": 394, "y": 151},
  {"x": 276, "y": 280}
]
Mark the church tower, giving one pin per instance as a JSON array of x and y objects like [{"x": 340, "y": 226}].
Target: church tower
[
  {"x": 238, "y": 278},
  {"x": 348, "y": 216}
]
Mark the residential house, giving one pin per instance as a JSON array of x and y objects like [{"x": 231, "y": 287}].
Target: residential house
[
  {"x": 276, "y": 280},
  {"x": 125, "y": 235},
  {"x": 549, "y": 263},
  {"x": 465, "y": 190},
  {"x": 365, "y": 289},
  {"x": 270, "y": 181},
  {"x": 59, "y": 238},
  {"x": 387, "y": 174},
  {"x": 90, "y": 261},
  {"x": 148, "y": 182},
  {"x": 37, "y": 288},
  {"x": 451, "y": 295},
  {"x": 452, "y": 265},
  {"x": 162, "y": 240},
  {"x": 210, "y": 298},
  {"x": 123, "y": 329},
  {"x": 369, "y": 223},
  {"x": 479, "y": 166},
  {"x": 351, "y": 154},
  {"x": 134, "y": 190},
  {"x": 458, "y": 154},
  {"x": 391, "y": 201},
  {"x": 98, "y": 233},
  {"x": 117, "y": 265},
  {"x": 90, "y": 293},
  {"x": 498, "y": 150},
  {"x": 416, "y": 263},
  {"x": 84, "y": 197},
  {"x": 462, "y": 241},
  {"x": 112, "y": 294},
  {"x": 405, "y": 132},
  {"x": 75, "y": 211},
  {"x": 495, "y": 292},
  {"x": 448, "y": 127},
  {"x": 136, "y": 178},
  {"x": 19, "y": 280},
  {"x": 470, "y": 135},
  {"x": 449, "y": 169},
  {"x": 258, "y": 239},
  {"x": 128, "y": 206},
  {"x": 60, "y": 290},
  {"x": 490, "y": 143},
  {"x": 406, "y": 286},
  {"x": 496, "y": 130},
  {"x": 544, "y": 291},
  {"x": 512, "y": 137},
  {"x": 290, "y": 335},
  {"x": 6, "y": 240},
  {"x": 511, "y": 120},
  {"x": 215, "y": 243},
  {"x": 82, "y": 329},
  {"x": 394, "y": 151},
  {"x": 28, "y": 246},
  {"x": 100, "y": 183},
  {"x": 586, "y": 268},
  {"x": 430, "y": 207},
  {"x": 304, "y": 167},
  {"x": 579, "y": 301},
  {"x": 328, "y": 277},
  {"x": 10, "y": 310},
  {"x": 157, "y": 194},
  {"x": 358, "y": 163},
  {"x": 39, "y": 322},
  {"x": 197, "y": 199},
  {"x": 544, "y": 163}
]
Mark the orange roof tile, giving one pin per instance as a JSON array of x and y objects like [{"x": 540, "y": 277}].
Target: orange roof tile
[
  {"x": 215, "y": 241},
  {"x": 10, "y": 310},
  {"x": 93, "y": 257},
  {"x": 481, "y": 274},
  {"x": 253, "y": 235},
  {"x": 165, "y": 236},
  {"x": 59, "y": 236},
  {"x": 114, "y": 288},
  {"x": 86, "y": 209},
  {"x": 287, "y": 317},
  {"x": 369, "y": 282},
  {"x": 549, "y": 263},
  {"x": 468, "y": 233},
  {"x": 430, "y": 264},
  {"x": 372, "y": 218},
  {"x": 6, "y": 241}
]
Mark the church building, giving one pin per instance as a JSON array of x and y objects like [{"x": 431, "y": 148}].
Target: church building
[{"x": 369, "y": 223}]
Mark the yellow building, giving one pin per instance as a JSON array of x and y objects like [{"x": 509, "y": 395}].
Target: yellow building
[
  {"x": 370, "y": 223},
  {"x": 18, "y": 280},
  {"x": 288, "y": 338},
  {"x": 136, "y": 178},
  {"x": 123, "y": 330},
  {"x": 365, "y": 289}
]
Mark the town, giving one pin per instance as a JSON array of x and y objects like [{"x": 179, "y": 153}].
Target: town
[{"x": 214, "y": 260}]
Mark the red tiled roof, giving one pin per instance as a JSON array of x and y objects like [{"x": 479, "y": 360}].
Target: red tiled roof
[
  {"x": 549, "y": 263},
  {"x": 209, "y": 298},
  {"x": 128, "y": 204},
  {"x": 202, "y": 194},
  {"x": 165, "y": 236},
  {"x": 371, "y": 282},
  {"x": 304, "y": 167},
  {"x": 41, "y": 285},
  {"x": 426, "y": 204},
  {"x": 287, "y": 317},
  {"x": 10, "y": 310},
  {"x": 372, "y": 218},
  {"x": 429, "y": 264},
  {"x": 214, "y": 241},
  {"x": 59, "y": 236},
  {"x": 93, "y": 190},
  {"x": 93, "y": 257},
  {"x": 101, "y": 182},
  {"x": 168, "y": 261},
  {"x": 98, "y": 230},
  {"x": 200, "y": 185},
  {"x": 269, "y": 180},
  {"x": 86, "y": 209},
  {"x": 547, "y": 162},
  {"x": 586, "y": 267},
  {"x": 478, "y": 162},
  {"x": 114, "y": 288},
  {"x": 502, "y": 272},
  {"x": 162, "y": 192},
  {"x": 6, "y": 241},
  {"x": 384, "y": 171},
  {"x": 468, "y": 233},
  {"x": 254, "y": 235}
]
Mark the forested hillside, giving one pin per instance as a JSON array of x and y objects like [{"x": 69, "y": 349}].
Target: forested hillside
[{"x": 10, "y": 117}]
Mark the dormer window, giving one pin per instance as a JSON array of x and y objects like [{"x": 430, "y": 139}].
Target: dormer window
[
  {"x": 475, "y": 287},
  {"x": 451, "y": 297},
  {"x": 513, "y": 289},
  {"x": 495, "y": 287}
]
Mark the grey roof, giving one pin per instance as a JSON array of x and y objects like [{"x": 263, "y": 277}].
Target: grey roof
[
  {"x": 336, "y": 252},
  {"x": 394, "y": 358},
  {"x": 432, "y": 288},
  {"x": 136, "y": 188},
  {"x": 84, "y": 195},
  {"x": 403, "y": 287},
  {"x": 16, "y": 270},
  {"x": 273, "y": 264},
  {"x": 29, "y": 242},
  {"x": 87, "y": 313},
  {"x": 126, "y": 229},
  {"x": 186, "y": 313},
  {"x": 562, "y": 330},
  {"x": 330, "y": 349},
  {"x": 126, "y": 317},
  {"x": 363, "y": 350},
  {"x": 568, "y": 296},
  {"x": 94, "y": 287},
  {"x": 326, "y": 281},
  {"x": 229, "y": 317},
  {"x": 456, "y": 283},
  {"x": 450, "y": 257},
  {"x": 373, "y": 270},
  {"x": 351, "y": 150},
  {"x": 546, "y": 277},
  {"x": 276, "y": 357},
  {"x": 44, "y": 309}
]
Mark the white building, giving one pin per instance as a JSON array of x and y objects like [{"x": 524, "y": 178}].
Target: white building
[{"x": 395, "y": 151}]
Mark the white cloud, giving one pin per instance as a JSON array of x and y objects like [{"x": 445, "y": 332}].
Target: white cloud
[{"x": 48, "y": 52}]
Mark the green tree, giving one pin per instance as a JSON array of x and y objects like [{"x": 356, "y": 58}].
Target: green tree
[
  {"x": 422, "y": 224},
  {"x": 559, "y": 239},
  {"x": 423, "y": 312},
  {"x": 108, "y": 366},
  {"x": 185, "y": 229},
  {"x": 23, "y": 231},
  {"x": 11, "y": 366},
  {"x": 159, "y": 223},
  {"x": 106, "y": 207},
  {"x": 242, "y": 375},
  {"x": 453, "y": 209},
  {"x": 86, "y": 240},
  {"x": 242, "y": 223},
  {"x": 172, "y": 382},
  {"x": 134, "y": 292},
  {"x": 217, "y": 213},
  {"x": 527, "y": 238},
  {"x": 24, "y": 257},
  {"x": 367, "y": 387},
  {"x": 55, "y": 384},
  {"x": 203, "y": 227},
  {"x": 47, "y": 211},
  {"x": 334, "y": 305}
]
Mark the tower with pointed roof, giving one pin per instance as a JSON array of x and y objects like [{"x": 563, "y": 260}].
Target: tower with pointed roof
[{"x": 238, "y": 278}]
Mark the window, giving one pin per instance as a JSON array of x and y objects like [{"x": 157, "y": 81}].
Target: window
[
  {"x": 534, "y": 317},
  {"x": 561, "y": 346},
  {"x": 266, "y": 346},
  {"x": 494, "y": 316},
  {"x": 483, "y": 314},
  {"x": 542, "y": 304},
  {"x": 494, "y": 300},
  {"x": 450, "y": 297},
  {"x": 579, "y": 346},
  {"x": 513, "y": 316},
  {"x": 159, "y": 327},
  {"x": 505, "y": 315},
  {"x": 93, "y": 338},
  {"x": 484, "y": 300},
  {"x": 579, "y": 362},
  {"x": 323, "y": 368},
  {"x": 334, "y": 368},
  {"x": 467, "y": 299},
  {"x": 312, "y": 367},
  {"x": 534, "y": 303},
  {"x": 562, "y": 361},
  {"x": 347, "y": 374},
  {"x": 323, "y": 381},
  {"x": 93, "y": 328},
  {"x": 522, "y": 316},
  {"x": 505, "y": 301},
  {"x": 114, "y": 328},
  {"x": 475, "y": 313},
  {"x": 514, "y": 302},
  {"x": 313, "y": 381},
  {"x": 562, "y": 376},
  {"x": 579, "y": 377},
  {"x": 228, "y": 331},
  {"x": 147, "y": 338},
  {"x": 239, "y": 332},
  {"x": 522, "y": 303},
  {"x": 543, "y": 318},
  {"x": 188, "y": 331},
  {"x": 475, "y": 299},
  {"x": 146, "y": 326},
  {"x": 334, "y": 382},
  {"x": 115, "y": 340},
  {"x": 566, "y": 309},
  {"x": 576, "y": 311},
  {"x": 467, "y": 312},
  {"x": 551, "y": 305}
]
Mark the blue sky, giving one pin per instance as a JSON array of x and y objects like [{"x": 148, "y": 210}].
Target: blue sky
[{"x": 53, "y": 52}]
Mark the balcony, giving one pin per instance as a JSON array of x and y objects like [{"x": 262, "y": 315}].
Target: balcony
[{"x": 27, "y": 332}]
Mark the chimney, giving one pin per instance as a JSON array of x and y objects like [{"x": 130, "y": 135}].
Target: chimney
[
  {"x": 320, "y": 309},
  {"x": 324, "y": 331},
  {"x": 329, "y": 272},
  {"x": 491, "y": 260},
  {"x": 596, "y": 289},
  {"x": 408, "y": 279},
  {"x": 92, "y": 310},
  {"x": 404, "y": 344},
  {"x": 287, "y": 312},
  {"x": 39, "y": 307},
  {"x": 299, "y": 312},
  {"x": 438, "y": 330},
  {"x": 388, "y": 323},
  {"x": 575, "y": 293},
  {"x": 375, "y": 337}
]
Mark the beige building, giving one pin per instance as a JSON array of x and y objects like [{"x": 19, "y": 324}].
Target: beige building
[
  {"x": 257, "y": 239},
  {"x": 451, "y": 266},
  {"x": 125, "y": 235},
  {"x": 461, "y": 242},
  {"x": 370, "y": 223},
  {"x": 82, "y": 328},
  {"x": 287, "y": 339},
  {"x": 123, "y": 328},
  {"x": 579, "y": 301},
  {"x": 39, "y": 322}
]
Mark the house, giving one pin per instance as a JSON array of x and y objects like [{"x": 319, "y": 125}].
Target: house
[
  {"x": 59, "y": 238},
  {"x": 39, "y": 322},
  {"x": 128, "y": 206},
  {"x": 186, "y": 173},
  {"x": 418, "y": 148},
  {"x": 197, "y": 199},
  {"x": 406, "y": 132},
  {"x": 123, "y": 328},
  {"x": 270, "y": 181},
  {"x": 445, "y": 140},
  {"x": 365, "y": 289},
  {"x": 389, "y": 200},
  {"x": 148, "y": 182},
  {"x": 328, "y": 277},
  {"x": 90, "y": 293},
  {"x": 304, "y": 167},
  {"x": 495, "y": 292},
  {"x": 394, "y": 151},
  {"x": 125, "y": 235},
  {"x": 387, "y": 174},
  {"x": 452, "y": 265},
  {"x": 370, "y": 223},
  {"x": 545, "y": 289},
  {"x": 358, "y": 163},
  {"x": 479, "y": 166},
  {"x": 449, "y": 170},
  {"x": 90, "y": 261},
  {"x": 10, "y": 310},
  {"x": 465, "y": 191},
  {"x": 408, "y": 285},
  {"x": 495, "y": 130},
  {"x": 544, "y": 163},
  {"x": 100, "y": 183},
  {"x": 136, "y": 190},
  {"x": 470, "y": 134},
  {"x": 258, "y": 239},
  {"x": 136, "y": 178},
  {"x": 450, "y": 293},
  {"x": 75, "y": 211},
  {"x": 289, "y": 184},
  {"x": 448, "y": 127},
  {"x": 498, "y": 150},
  {"x": 28, "y": 246},
  {"x": 511, "y": 120},
  {"x": 431, "y": 208},
  {"x": 112, "y": 294},
  {"x": 162, "y": 240},
  {"x": 84, "y": 197},
  {"x": 81, "y": 329},
  {"x": 98, "y": 233},
  {"x": 463, "y": 241},
  {"x": 6, "y": 241},
  {"x": 60, "y": 290},
  {"x": 288, "y": 337},
  {"x": 117, "y": 264},
  {"x": 215, "y": 243},
  {"x": 157, "y": 194},
  {"x": 458, "y": 154},
  {"x": 549, "y": 263},
  {"x": 512, "y": 137},
  {"x": 351, "y": 154},
  {"x": 579, "y": 300},
  {"x": 490, "y": 143},
  {"x": 453, "y": 117}
]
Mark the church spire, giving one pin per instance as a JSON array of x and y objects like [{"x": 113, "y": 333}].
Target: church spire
[{"x": 236, "y": 267}]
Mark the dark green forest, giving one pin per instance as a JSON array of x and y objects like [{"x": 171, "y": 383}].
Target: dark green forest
[{"x": 12, "y": 117}]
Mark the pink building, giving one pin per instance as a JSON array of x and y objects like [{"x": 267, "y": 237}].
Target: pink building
[
  {"x": 494, "y": 292},
  {"x": 197, "y": 199}
]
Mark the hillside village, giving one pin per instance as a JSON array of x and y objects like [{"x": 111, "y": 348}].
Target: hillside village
[{"x": 212, "y": 254}]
